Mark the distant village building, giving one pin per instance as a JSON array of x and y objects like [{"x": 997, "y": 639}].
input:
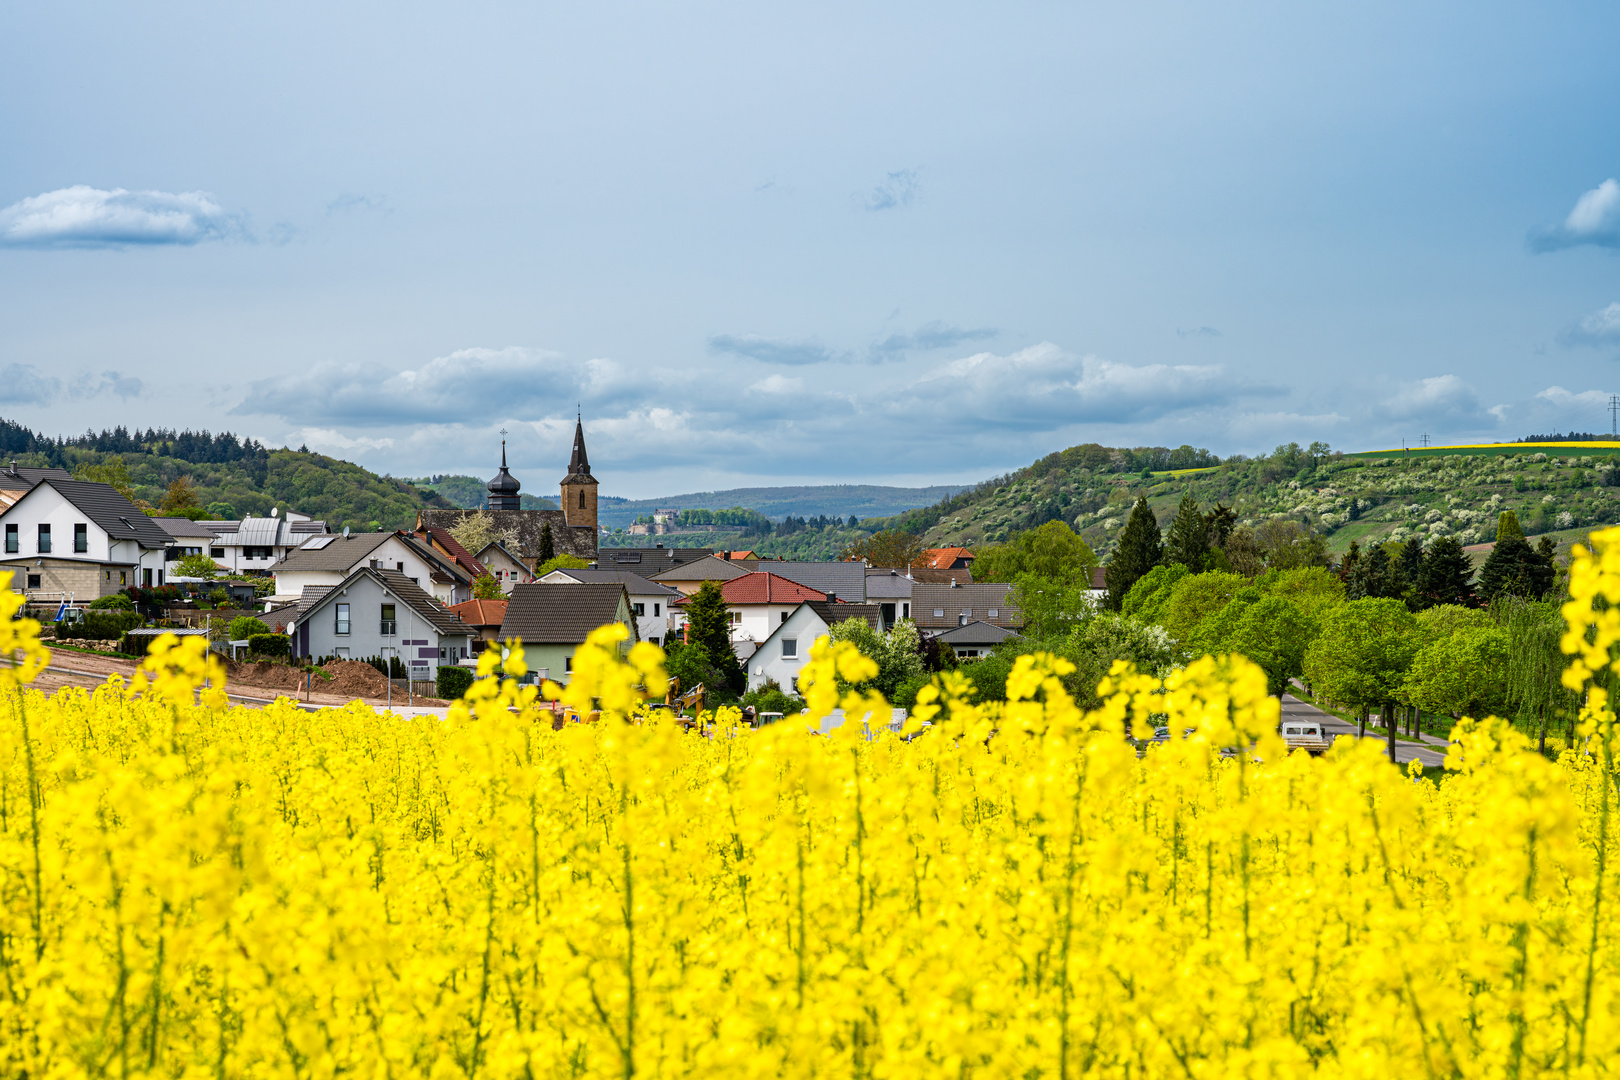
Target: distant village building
[{"x": 573, "y": 528}]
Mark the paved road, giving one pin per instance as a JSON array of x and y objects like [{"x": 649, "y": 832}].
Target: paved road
[{"x": 1432, "y": 751}]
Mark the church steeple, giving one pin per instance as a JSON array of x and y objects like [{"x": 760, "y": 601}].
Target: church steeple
[
  {"x": 579, "y": 486},
  {"x": 503, "y": 490}
]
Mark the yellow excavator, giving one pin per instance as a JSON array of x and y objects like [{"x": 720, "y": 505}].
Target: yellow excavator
[{"x": 679, "y": 702}]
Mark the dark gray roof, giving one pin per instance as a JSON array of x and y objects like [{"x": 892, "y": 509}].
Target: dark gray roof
[
  {"x": 338, "y": 555},
  {"x": 102, "y": 504},
  {"x": 973, "y": 600},
  {"x": 888, "y": 585},
  {"x": 845, "y": 580},
  {"x": 545, "y": 614},
  {"x": 634, "y": 584},
  {"x": 310, "y": 597},
  {"x": 833, "y": 613},
  {"x": 976, "y": 633},
  {"x": 527, "y": 525},
  {"x": 23, "y": 478},
  {"x": 707, "y": 568},
  {"x": 404, "y": 590},
  {"x": 183, "y": 528},
  {"x": 648, "y": 562}
]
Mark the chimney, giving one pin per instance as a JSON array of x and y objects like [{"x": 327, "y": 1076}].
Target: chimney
[{"x": 954, "y": 585}]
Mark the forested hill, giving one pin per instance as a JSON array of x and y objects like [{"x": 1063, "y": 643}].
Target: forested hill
[
  {"x": 230, "y": 476},
  {"x": 1344, "y": 497}
]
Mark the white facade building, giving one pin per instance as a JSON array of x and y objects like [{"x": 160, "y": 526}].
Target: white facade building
[{"x": 74, "y": 538}]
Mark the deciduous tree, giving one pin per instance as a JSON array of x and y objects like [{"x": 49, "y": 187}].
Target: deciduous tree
[
  {"x": 486, "y": 588},
  {"x": 892, "y": 549},
  {"x": 1051, "y": 551}
]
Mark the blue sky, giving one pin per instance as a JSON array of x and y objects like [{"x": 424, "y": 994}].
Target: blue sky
[{"x": 900, "y": 243}]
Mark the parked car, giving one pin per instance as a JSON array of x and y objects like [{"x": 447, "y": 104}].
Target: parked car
[{"x": 1306, "y": 735}]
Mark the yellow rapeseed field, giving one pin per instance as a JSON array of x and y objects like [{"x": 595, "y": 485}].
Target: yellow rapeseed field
[{"x": 193, "y": 889}]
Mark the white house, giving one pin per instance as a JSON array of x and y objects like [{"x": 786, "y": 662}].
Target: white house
[
  {"x": 255, "y": 544},
  {"x": 329, "y": 559},
  {"x": 187, "y": 538},
  {"x": 78, "y": 539},
  {"x": 504, "y": 567},
  {"x": 758, "y": 603},
  {"x": 782, "y": 655},
  {"x": 649, "y": 601}
]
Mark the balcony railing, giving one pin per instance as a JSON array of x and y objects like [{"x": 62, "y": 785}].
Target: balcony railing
[{"x": 389, "y": 627}]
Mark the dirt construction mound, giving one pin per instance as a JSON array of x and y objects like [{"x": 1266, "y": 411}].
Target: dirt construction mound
[
  {"x": 350, "y": 679},
  {"x": 266, "y": 675},
  {"x": 353, "y": 678}
]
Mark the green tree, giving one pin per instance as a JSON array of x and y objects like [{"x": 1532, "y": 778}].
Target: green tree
[
  {"x": 245, "y": 626},
  {"x": 1361, "y": 656},
  {"x": 1054, "y": 551},
  {"x": 1196, "y": 598},
  {"x": 1140, "y": 549},
  {"x": 693, "y": 666},
  {"x": 1513, "y": 569},
  {"x": 1051, "y": 607},
  {"x": 1188, "y": 542},
  {"x": 196, "y": 566},
  {"x": 113, "y": 470},
  {"x": 222, "y": 511},
  {"x": 891, "y": 549},
  {"x": 708, "y": 623},
  {"x": 896, "y": 653},
  {"x": 560, "y": 562},
  {"x": 1314, "y": 590},
  {"x": 486, "y": 588},
  {"x": 548, "y": 547},
  {"x": 1270, "y": 630},
  {"x": 1461, "y": 673},
  {"x": 1447, "y": 575},
  {"x": 180, "y": 497},
  {"x": 1507, "y": 526},
  {"x": 1150, "y": 596}
]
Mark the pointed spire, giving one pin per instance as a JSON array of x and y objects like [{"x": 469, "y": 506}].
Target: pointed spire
[{"x": 579, "y": 464}]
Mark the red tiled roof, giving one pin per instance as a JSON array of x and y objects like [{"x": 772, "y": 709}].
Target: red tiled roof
[
  {"x": 942, "y": 558},
  {"x": 765, "y": 588},
  {"x": 482, "y": 612},
  {"x": 458, "y": 554}
]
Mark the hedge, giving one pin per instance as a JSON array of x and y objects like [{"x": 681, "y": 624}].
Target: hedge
[
  {"x": 269, "y": 645},
  {"x": 453, "y": 682},
  {"x": 103, "y": 625}
]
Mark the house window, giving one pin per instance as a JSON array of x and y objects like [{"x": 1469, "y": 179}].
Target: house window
[
  {"x": 160, "y": 576},
  {"x": 123, "y": 577},
  {"x": 11, "y": 539},
  {"x": 994, "y": 613},
  {"x": 639, "y": 609},
  {"x": 653, "y": 641},
  {"x": 568, "y": 664},
  {"x": 342, "y": 652},
  {"x": 785, "y": 614},
  {"x": 257, "y": 553},
  {"x": 441, "y": 652},
  {"x": 216, "y": 553},
  {"x": 736, "y": 618},
  {"x": 44, "y": 539},
  {"x": 81, "y": 538},
  {"x": 905, "y": 611},
  {"x": 390, "y": 625},
  {"x": 146, "y": 578},
  {"x": 33, "y": 581},
  {"x": 656, "y": 613},
  {"x": 342, "y": 618},
  {"x": 582, "y": 500},
  {"x": 790, "y": 647},
  {"x": 939, "y": 613}
]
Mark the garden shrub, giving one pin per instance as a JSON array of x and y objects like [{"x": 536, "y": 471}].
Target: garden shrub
[
  {"x": 270, "y": 645},
  {"x": 453, "y": 682}
]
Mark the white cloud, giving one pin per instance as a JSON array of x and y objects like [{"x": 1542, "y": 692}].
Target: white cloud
[
  {"x": 778, "y": 384},
  {"x": 1044, "y": 387},
  {"x": 83, "y": 216},
  {"x": 24, "y": 384},
  {"x": 1599, "y": 328},
  {"x": 466, "y": 385},
  {"x": 331, "y": 439},
  {"x": 1436, "y": 398},
  {"x": 1594, "y": 220}
]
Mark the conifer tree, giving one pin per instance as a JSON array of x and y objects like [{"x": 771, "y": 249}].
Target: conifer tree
[
  {"x": 1188, "y": 543},
  {"x": 1507, "y": 525},
  {"x": 548, "y": 546},
  {"x": 1141, "y": 548},
  {"x": 1447, "y": 575},
  {"x": 1514, "y": 569}
]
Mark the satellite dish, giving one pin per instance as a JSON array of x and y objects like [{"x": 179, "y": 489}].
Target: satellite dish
[
  {"x": 274, "y": 510},
  {"x": 345, "y": 532}
]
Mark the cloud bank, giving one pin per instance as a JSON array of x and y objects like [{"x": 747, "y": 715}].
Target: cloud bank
[
  {"x": 770, "y": 350},
  {"x": 1597, "y": 329},
  {"x": 1595, "y": 220},
  {"x": 87, "y": 217}
]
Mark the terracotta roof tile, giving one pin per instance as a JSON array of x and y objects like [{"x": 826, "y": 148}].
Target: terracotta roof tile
[{"x": 481, "y": 612}]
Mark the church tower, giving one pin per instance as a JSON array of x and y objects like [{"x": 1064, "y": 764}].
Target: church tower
[
  {"x": 579, "y": 486},
  {"x": 503, "y": 490}
]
